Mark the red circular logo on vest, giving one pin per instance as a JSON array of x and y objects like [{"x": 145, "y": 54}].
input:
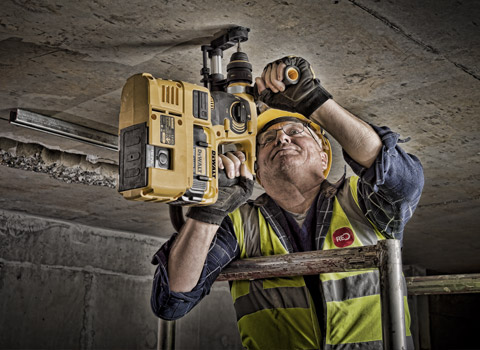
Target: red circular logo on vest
[{"x": 343, "y": 237}]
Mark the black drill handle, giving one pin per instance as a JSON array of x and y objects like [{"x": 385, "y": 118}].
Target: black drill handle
[{"x": 291, "y": 75}]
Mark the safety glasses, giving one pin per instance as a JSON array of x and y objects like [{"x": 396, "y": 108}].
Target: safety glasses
[{"x": 290, "y": 129}]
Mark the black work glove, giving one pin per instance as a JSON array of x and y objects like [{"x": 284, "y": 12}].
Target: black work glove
[
  {"x": 304, "y": 97},
  {"x": 231, "y": 194}
]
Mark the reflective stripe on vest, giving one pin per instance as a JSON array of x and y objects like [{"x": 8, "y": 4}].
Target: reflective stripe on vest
[
  {"x": 279, "y": 313},
  {"x": 349, "y": 295},
  {"x": 275, "y": 306}
]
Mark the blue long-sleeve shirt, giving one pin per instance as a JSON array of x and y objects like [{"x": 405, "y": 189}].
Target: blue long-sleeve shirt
[{"x": 388, "y": 193}]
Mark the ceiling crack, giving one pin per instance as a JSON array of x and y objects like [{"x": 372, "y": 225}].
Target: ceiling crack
[
  {"x": 45, "y": 54},
  {"x": 426, "y": 47},
  {"x": 465, "y": 69},
  {"x": 395, "y": 27}
]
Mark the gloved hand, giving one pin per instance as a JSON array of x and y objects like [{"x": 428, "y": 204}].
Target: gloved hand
[
  {"x": 233, "y": 191},
  {"x": 304, "y": 97}
]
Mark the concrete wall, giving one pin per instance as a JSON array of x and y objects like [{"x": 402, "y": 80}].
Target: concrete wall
[{"x": 72, "y": 286}]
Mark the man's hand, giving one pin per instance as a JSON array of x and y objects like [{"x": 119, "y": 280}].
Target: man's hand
[
  {"x": 304, "y": 97},
  {"x": 233, "y": 164},
  {"x": 234, "y": 190}
]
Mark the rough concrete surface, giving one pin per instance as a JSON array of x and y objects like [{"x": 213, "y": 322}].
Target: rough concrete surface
[
  {"x": 64, "y": 285},
  {"x": 71, "y": 286},
  {"x": 67, "y": 167},
  {"x": 411, "y": 65}
]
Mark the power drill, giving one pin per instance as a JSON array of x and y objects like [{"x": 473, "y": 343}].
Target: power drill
[{"x": 171, "y": 131}]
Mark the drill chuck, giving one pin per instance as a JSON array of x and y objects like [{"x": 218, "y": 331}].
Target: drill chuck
[{"x": 239, "y": 70}]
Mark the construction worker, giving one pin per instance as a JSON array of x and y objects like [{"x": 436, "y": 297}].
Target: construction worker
[{"x": 300, "y": 211}]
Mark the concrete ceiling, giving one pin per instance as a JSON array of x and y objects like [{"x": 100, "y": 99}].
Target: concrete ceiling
[{"x": 411, "y": 65}]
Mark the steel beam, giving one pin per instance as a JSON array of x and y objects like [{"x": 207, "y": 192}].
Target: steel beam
[{"x": 62, "y": 128}]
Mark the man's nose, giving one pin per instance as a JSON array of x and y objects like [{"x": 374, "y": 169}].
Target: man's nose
[{"x": 282, "y": 137}]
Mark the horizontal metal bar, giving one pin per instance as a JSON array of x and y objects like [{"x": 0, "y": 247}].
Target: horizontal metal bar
[
  {"x": 443, "y": 284},
  {"x": 59, "y": 127},
  {"x": 340, "y": 260},
  {"x": 305, "y": 263}
]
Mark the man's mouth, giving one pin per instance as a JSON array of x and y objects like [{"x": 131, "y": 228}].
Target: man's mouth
[{"x": 282, "y": 150}]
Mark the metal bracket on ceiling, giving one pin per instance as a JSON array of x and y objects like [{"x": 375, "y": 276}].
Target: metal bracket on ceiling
[{"x": 62, "y": 128}]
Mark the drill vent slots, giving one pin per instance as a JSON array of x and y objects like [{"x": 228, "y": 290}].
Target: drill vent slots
[
  {"x": 238, "y": 128},
  {"x": 170, "y": 94}
]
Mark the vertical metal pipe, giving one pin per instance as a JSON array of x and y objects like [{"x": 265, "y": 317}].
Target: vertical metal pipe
[
  {"x": 166, "y": 335},
  {"x": 205, "y": 72},
  {"x": 216, "y": 64},
  {"x": 393, "y": 313}
]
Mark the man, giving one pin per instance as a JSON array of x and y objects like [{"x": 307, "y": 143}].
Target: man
[{"x": 300, "y": 211}]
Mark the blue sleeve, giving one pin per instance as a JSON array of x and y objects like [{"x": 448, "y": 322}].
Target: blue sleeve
[
  {"x": 389, "y": 191},
  {"x": 170, "y": 305}
]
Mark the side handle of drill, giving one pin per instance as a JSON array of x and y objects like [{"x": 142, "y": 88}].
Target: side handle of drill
[{"x": 291, "y": 75}]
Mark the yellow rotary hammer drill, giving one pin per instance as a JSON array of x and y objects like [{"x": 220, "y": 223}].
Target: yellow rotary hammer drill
[{"x": 170, "y": 132}]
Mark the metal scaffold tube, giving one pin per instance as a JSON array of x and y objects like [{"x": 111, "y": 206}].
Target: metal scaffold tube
[
  {"x": 166, "y": 335},
  {"x": 392, "y": 299}
]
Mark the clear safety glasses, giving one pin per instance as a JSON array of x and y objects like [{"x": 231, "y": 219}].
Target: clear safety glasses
[{"x": 291, "y": 129}]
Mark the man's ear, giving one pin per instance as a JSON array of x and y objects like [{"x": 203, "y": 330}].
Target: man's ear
[{"x": 324, "y": 160}]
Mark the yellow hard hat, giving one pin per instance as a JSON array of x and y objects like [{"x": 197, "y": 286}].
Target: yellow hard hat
[{"x": 270, "y": 116}]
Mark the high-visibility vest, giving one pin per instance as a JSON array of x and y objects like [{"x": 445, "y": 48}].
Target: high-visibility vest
[{"x": 279, "y": 313}]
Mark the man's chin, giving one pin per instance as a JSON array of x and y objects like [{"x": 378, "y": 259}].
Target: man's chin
[{"x": 287, "y": 162}]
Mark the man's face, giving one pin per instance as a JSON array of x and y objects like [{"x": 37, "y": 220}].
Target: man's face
[{"x": 295, "y": 155}]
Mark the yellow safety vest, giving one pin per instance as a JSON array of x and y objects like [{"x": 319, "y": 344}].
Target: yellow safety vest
[{"x": 279, "y": 313}]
